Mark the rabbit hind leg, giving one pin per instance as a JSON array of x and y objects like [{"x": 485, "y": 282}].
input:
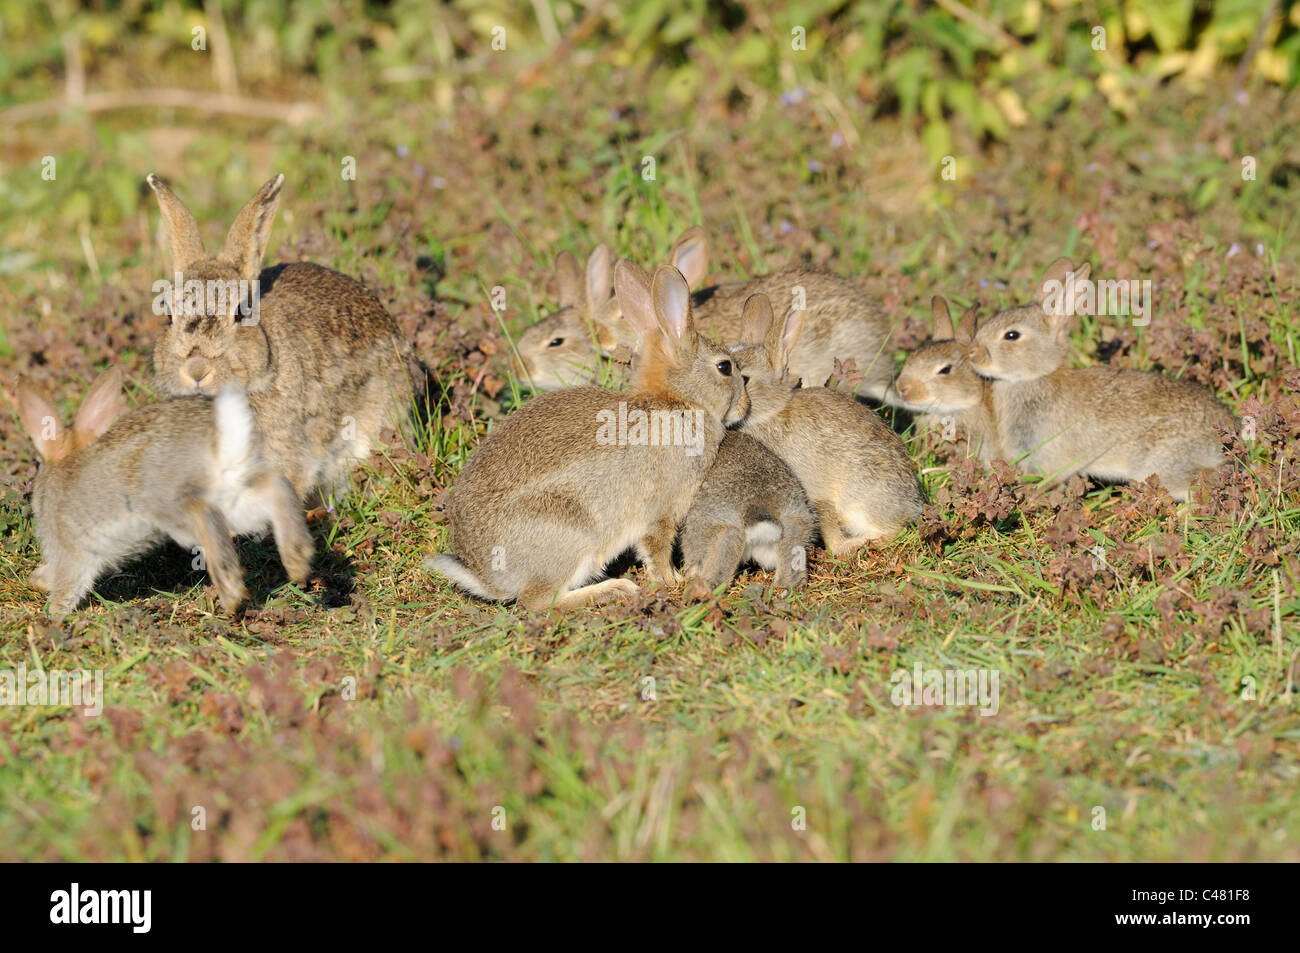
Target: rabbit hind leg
[
  {"x": 210, "y": 528},
  {"x": 292, "y": 538}
]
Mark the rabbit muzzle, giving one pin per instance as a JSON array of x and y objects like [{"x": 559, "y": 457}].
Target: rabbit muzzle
[
  {"x": 981, "y": 360},
  {"x": 197, "y": 373}
]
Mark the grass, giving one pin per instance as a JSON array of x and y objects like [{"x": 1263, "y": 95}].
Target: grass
[{"x": 1147, "y": 705}]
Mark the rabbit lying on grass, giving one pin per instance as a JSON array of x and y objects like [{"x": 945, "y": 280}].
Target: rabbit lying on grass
[
  {"x": 322, "y": 361},
  {"x": 1107, "y": 423},
  {"x": 556, "y": 491},
  {"x": 188, "y": 469}
]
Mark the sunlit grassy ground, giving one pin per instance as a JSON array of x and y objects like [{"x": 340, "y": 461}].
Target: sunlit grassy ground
[{"x": 1153, "y": 686}]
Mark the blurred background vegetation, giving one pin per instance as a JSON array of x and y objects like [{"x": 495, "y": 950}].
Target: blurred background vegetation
[{"x": 981, "y": 67}]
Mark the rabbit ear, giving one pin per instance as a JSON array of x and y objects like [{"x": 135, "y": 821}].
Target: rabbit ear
[
  {"x": 632, "y": 288},
  {"x": 690, "y": 255},
  {"x": 182, "y": 230},
  {"x": 790, "y": 333},
  {"x": 570, "y": 279},
  {"x": 41, "y": 420},
  {"x": 247, "y": 239},
  {"x": 100, "y": 408},
  {"x": 1080, "y": 275},
  {"x": 965, "y": 331},
  {"x": 1052, "y": 279},
  {"x": 756, "y": 320},
  {"x": 599, "y": 267},
  {"x": 672, "y": 304},
  {"x": 942, "y": 318}
]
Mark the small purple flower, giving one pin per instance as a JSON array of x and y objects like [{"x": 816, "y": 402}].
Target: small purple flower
[
  {"x": 984, "y": 283},
  {"x": 1233, "y": 250},
  {"x": 1153, "y": 244},
  {"x": 837, "y": 139},
  {"x": 999, "y": 285},
  {"x": 792, "y": 97},
  {"x": 1259, "y": 249},
  {"x": 403, "y": 152},
  {"x": 814, "y": 166},
  {"x": 786, "y": 227}
]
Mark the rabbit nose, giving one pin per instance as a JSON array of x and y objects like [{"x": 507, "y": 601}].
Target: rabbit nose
[{"x": 197, "y": 372}]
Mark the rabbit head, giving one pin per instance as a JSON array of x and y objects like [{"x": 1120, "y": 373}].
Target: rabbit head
[
  {"x": 937, "y": 376},
  {"x": 564, "y": 348},
  {"x": 56, "y": 444},
  {"x": 675, "y": 362},
  {"x": 213, "y": 338},
  {"x": 1032, "y": 340},
  {"x": 764, "y": 356}
]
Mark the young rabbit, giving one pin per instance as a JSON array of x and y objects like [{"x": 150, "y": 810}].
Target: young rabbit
[
  {"x": 749, "y": 507},
  {"x": 568, "y": 347},
  {"x": 188, "y": 468},
  {"x": 938, "y": 382},
  {"x": 574, "y": 478},
  {"x": 564, "y": 348},
  {"x": 1107, "y": 423},
  {"x": 323, "y": 362},
  {"x": 855, "y": 470}
]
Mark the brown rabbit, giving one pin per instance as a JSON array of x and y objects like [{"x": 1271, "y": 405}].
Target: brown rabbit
[
  {"x": 574, "y": 478},
  {"x": 188, "y": 469},
  {"x": 323, "y": 362},
  {"x": 842, "y": 322},
  {"x": 563, "y": 348},
  {"x": 569, "y": 346},
  {"x": 938, "y": 382},
  {"x": 750, "y": 507},
  {"x": 855, "y": 470},
  {"x": 1107, "y": 423}
]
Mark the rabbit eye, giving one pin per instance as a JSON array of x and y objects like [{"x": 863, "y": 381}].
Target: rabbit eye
[
  {"x": 1011, "y": 336},
  {"x": 724, "y": 368},
  {"x": 946, "y": 369},
  {"x": 556, "y": 342}
]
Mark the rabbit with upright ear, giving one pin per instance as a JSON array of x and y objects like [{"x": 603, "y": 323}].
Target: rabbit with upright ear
[
  {"x": 576, "y": 477},
  {"x": 857, "y": 473},
  {"x": 569, "y": 346},
  {"x": 841, "y": 321},
  {"x": 937, "y": 382},
  {"x": 1107, "y": 423},
  {"x": 564, "y": 348},
  {"x": 322, "y": 361},
  {"x": 188, "y": 469},
  {"x": 749, "y": 507}
]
